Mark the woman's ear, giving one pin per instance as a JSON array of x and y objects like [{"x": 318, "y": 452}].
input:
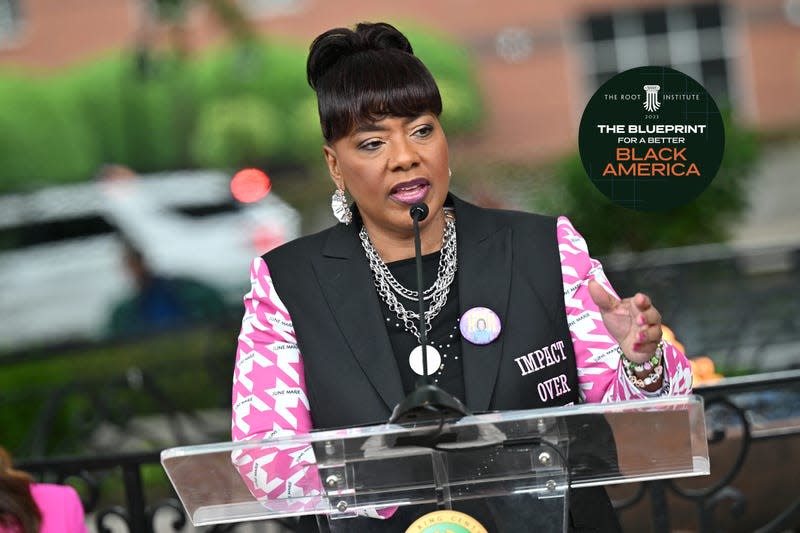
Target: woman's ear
[{"x": 333, "y": 166}]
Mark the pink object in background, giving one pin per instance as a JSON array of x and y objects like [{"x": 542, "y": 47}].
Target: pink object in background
[{"x": 61, "y": 508}]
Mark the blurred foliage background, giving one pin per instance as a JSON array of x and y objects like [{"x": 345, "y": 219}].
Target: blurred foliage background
[
  {"x": 561, "y": 187},
  {"x": 248, "y": 104},
  {"x": 245, "y": 104},
  {"x": 709, "y": 218}
]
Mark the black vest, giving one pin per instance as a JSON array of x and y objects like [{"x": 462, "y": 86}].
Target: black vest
[{"x": 507, "y": 261}]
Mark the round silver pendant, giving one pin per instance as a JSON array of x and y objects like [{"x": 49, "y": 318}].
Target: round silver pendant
[{"x": 434, "y": 360}]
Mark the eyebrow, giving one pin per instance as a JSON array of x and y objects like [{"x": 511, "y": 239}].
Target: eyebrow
[{"x": 373, "y": 126}]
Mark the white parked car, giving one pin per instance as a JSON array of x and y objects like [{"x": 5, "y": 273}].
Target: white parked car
[{"x": 62, "y": 254}]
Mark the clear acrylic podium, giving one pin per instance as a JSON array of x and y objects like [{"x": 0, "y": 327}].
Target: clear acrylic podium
[{"x": 520, "y": 462}]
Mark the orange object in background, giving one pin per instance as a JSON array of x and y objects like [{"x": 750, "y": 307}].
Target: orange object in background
[
  {"x": 703, "y": 370},
  {"x": 702, "y": 367},
  {"x": 669, "y": 336}
]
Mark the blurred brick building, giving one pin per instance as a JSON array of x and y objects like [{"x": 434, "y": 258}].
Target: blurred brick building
[{"x": 538, "y": 62}]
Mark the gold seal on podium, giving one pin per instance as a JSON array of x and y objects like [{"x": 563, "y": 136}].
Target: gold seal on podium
[{"x": 446, "y": 522}]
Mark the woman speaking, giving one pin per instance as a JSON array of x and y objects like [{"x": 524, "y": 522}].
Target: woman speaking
[{"x": 519, "y": 316}]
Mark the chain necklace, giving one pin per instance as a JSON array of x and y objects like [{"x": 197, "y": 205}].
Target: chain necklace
[
  {"x": 389, "y": 289},
  {"x": 444, "y": 276}
]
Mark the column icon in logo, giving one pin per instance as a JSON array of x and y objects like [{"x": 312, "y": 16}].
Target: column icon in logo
[{"x": 652, "y": 104}]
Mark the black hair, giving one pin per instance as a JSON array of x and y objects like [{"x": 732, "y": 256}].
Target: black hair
[{"x": 365, "y": 74}]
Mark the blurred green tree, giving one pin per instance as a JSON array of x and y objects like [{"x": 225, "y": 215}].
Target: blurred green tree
[
  {"x": 45, "y": 138},
  {"x": 185, "y": 112},
  {"x": 236, "y": 132}
]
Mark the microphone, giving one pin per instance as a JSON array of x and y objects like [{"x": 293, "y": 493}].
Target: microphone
[
  {"x": 426, "y": 401},
  {"x": 419, "y": 212}
]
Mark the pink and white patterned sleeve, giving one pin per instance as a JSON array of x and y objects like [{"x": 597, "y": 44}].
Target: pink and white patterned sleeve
[
  {"x": 269, "y": 397},
  {"x": 601, "y": 375},
  {"x": 269, "y": 400}
]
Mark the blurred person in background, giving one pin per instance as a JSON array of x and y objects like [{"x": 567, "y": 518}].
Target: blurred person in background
[
  {"x": 28, "y": 507},
  {"x": 329, "y": 334},
  {"x": 160, "y": 303}
]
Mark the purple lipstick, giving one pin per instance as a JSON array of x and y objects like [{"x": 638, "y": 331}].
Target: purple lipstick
[{"x": 410, "y": 192}]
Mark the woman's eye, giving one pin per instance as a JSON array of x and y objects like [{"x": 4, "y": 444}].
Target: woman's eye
[
  {"x": 370, "y": 145},
  {"x": 423, "y": 131}
]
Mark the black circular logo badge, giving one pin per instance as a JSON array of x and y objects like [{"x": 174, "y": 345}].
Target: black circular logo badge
[{"x": 651, "y": 139}]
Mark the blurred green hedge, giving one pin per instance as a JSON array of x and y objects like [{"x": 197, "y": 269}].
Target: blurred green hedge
[
  {"x": 243, "y": 104},
  {"x": 44, "y": 133}
]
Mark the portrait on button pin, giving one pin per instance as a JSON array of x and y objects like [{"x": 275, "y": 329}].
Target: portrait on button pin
[{"x": 480, "y": 325}]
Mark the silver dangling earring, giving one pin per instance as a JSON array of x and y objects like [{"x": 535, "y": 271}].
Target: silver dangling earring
[
  {"x": 450, "y": 172},
  {"x": 340, "y": 207}
]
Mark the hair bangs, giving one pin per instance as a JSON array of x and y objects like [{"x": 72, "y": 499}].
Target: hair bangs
[{"x": 372, "y": 85}]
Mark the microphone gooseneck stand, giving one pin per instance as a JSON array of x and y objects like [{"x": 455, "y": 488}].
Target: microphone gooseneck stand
[{"x": 426, "y": 401}]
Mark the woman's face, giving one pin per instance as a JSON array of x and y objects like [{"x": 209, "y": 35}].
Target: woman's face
[{"x": 389, "y": 165}]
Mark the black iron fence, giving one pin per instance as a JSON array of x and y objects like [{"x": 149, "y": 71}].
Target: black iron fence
[{"x": 753, "y": 426}]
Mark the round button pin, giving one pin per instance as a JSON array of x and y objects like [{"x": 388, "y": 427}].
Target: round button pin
[{"x": 480, "y": 325}]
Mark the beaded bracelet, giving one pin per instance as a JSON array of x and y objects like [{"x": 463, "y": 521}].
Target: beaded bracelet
[
  {"x": 650, "y": 379},
  {"x": 653, "y": 364},
  {"x": 648, "y": 365}
]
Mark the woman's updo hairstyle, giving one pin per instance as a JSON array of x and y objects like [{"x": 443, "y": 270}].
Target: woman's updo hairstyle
[{"x": 366, "y": 74}]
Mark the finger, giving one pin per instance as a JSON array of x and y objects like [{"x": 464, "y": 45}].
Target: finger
[
  {"x": 649, "y": 334},
  {"x": 601, "y": 297},
  {"x": 649, "y": 317},
  {"x": 647, "y": 340},
  {"x": 642, "y": 301}
]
